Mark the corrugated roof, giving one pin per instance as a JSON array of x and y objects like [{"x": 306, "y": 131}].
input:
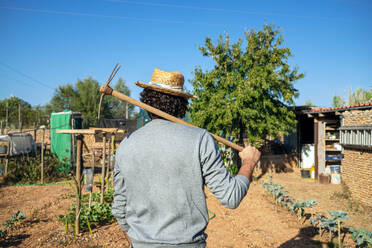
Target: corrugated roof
[{"x": 366, "y": 105}]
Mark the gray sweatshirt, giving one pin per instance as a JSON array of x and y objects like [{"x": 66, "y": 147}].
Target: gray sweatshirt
[{"x": 159, "y": 179}]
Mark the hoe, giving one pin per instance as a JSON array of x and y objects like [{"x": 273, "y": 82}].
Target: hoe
[{"x": 107, "y": 90}]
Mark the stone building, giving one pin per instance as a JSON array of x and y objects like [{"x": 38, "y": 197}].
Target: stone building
[{"x": 343, "y": 136}]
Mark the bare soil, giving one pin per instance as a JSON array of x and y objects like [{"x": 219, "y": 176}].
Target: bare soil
[{"x": 257, "y": 222}]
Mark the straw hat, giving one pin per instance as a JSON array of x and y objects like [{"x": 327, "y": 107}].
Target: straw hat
[{"x": 166, "y": 82}]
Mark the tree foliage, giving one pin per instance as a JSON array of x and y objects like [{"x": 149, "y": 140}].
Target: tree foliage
[
  {"x": 119, "y": 107},
  {"x": 249, "y": 88},
  {"x": 354, "y": 97},
  {"x": 84, "y": 97},
  {"x": 338, "y": 101}
]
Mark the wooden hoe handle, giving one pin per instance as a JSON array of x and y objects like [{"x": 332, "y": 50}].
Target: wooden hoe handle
[{"x": 107, "y": 90}]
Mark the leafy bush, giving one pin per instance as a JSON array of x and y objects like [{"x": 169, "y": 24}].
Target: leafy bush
[
  {"x": 96, "y": 214},
  {"x": 27, "y": 169}
]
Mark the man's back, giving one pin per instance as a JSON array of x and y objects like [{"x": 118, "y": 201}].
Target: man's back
[{"x": 160, "y": 174}]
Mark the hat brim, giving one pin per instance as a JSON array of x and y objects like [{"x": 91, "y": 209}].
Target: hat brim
[{"x": 163, "y": 90}]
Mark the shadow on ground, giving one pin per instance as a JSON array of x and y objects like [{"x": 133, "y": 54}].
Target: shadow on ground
[
  {"x": 13, "y": 240},
  {"x": 303, "y": 239}
]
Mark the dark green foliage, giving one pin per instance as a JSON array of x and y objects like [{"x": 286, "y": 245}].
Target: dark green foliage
[
  {"x": 27, "y": 169},
  {"x": 249, "y": 88}
]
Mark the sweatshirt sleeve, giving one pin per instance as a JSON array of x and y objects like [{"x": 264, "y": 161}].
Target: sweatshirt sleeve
[
  {"x": 227, "y": 189},
  {"x": 120, "y": 201}
]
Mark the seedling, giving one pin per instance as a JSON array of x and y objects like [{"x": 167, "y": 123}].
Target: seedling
[
  {"x": 362, "y": 237},
  {"x": 15, "y": 220},
  {"x": 338, "y": 216}
]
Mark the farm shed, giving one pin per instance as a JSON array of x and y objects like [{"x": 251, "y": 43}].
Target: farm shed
[{"x": 343, "y": 136}]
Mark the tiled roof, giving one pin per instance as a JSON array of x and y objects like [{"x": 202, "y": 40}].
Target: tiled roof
[{"x": 365, "y": 105}]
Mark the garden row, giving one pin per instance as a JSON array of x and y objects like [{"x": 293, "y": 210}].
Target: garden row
[{"x": 332, "y": 224}]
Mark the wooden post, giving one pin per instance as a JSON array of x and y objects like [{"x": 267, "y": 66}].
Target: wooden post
[
  {"x": 1, "y": 130},
  {"x": 103, "y": 168},
  {"x": 7, "y": 115},
  {"x": 126, "y": 111},
  {"x": 42, "y": 157},
  {"x": 19, "y": 117},
  {"x": 35, "y": 131},
  {"x": 72, "y": 143},
  {"x": 316, "y": 160},
  {"x": 93, "y": 165},
  {"x": 78, "y": 180},
  {"x": 6, "y": 165},
  {"x": 109, "y": 159}
]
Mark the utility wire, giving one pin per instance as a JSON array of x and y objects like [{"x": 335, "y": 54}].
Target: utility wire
[
  {"x": 227, "y": 10},
  {"x": 109, "y": 16},
  {"x": 26, "y": 76}
]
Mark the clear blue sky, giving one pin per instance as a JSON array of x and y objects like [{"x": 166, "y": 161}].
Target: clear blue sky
[{"x": 46, "y": 43}]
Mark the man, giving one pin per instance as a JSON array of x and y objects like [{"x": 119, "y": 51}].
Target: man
[{"x": 161, "y": 170}]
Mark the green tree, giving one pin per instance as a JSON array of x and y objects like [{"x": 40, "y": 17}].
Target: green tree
[
  {"x": 359, "y": 96},
  {"x": 121, "y": 109},
  {"x": 83, "y": 98},
  {"x": 354, "y": 97},
  {"x": 14, "y": 103},
  {"x": 309, "y": 103},
  {"x": 249, "y": 89},
  {"x": 63, "y": 98},
  {"x": 338, "y": 101}
]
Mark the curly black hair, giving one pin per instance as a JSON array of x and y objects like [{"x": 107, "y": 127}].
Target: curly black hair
[{"x": 170, "y": 104}]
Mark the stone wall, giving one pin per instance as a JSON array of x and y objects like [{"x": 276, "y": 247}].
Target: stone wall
[
  {"x": 357, "y": 162},
  {"x": 358, "y": 117}
]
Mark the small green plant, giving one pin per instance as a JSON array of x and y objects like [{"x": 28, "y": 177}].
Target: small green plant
[
  {"x": 338, "y": 216},
  {"x": 362, "y": 237},
  {"x": 15, "y": 220},
  {"x": 332, "y": 223},
  {"x": 95, "y": 214}
]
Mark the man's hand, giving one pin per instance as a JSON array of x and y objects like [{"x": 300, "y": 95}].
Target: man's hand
[{"x": 249, "y": 156}]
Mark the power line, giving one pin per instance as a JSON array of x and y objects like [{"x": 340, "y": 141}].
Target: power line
[
  {"x": 227, "y": 10},
  {"x": 108, "y": 16},
  {"x": 25, "y": 75}
]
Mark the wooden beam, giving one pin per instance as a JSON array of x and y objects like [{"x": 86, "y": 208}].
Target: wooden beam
[
  {"x": 77, "y": 131},
  {"x": 108, "y": 130}
]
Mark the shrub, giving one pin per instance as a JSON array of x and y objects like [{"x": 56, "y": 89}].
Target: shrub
[{"x": 27, "y": 169}]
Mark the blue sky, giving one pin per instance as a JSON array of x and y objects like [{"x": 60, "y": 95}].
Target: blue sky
[{"x": 46, "y": 43}]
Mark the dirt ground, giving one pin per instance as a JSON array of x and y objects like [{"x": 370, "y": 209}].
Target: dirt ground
[{"x": 257, "y": 222}]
